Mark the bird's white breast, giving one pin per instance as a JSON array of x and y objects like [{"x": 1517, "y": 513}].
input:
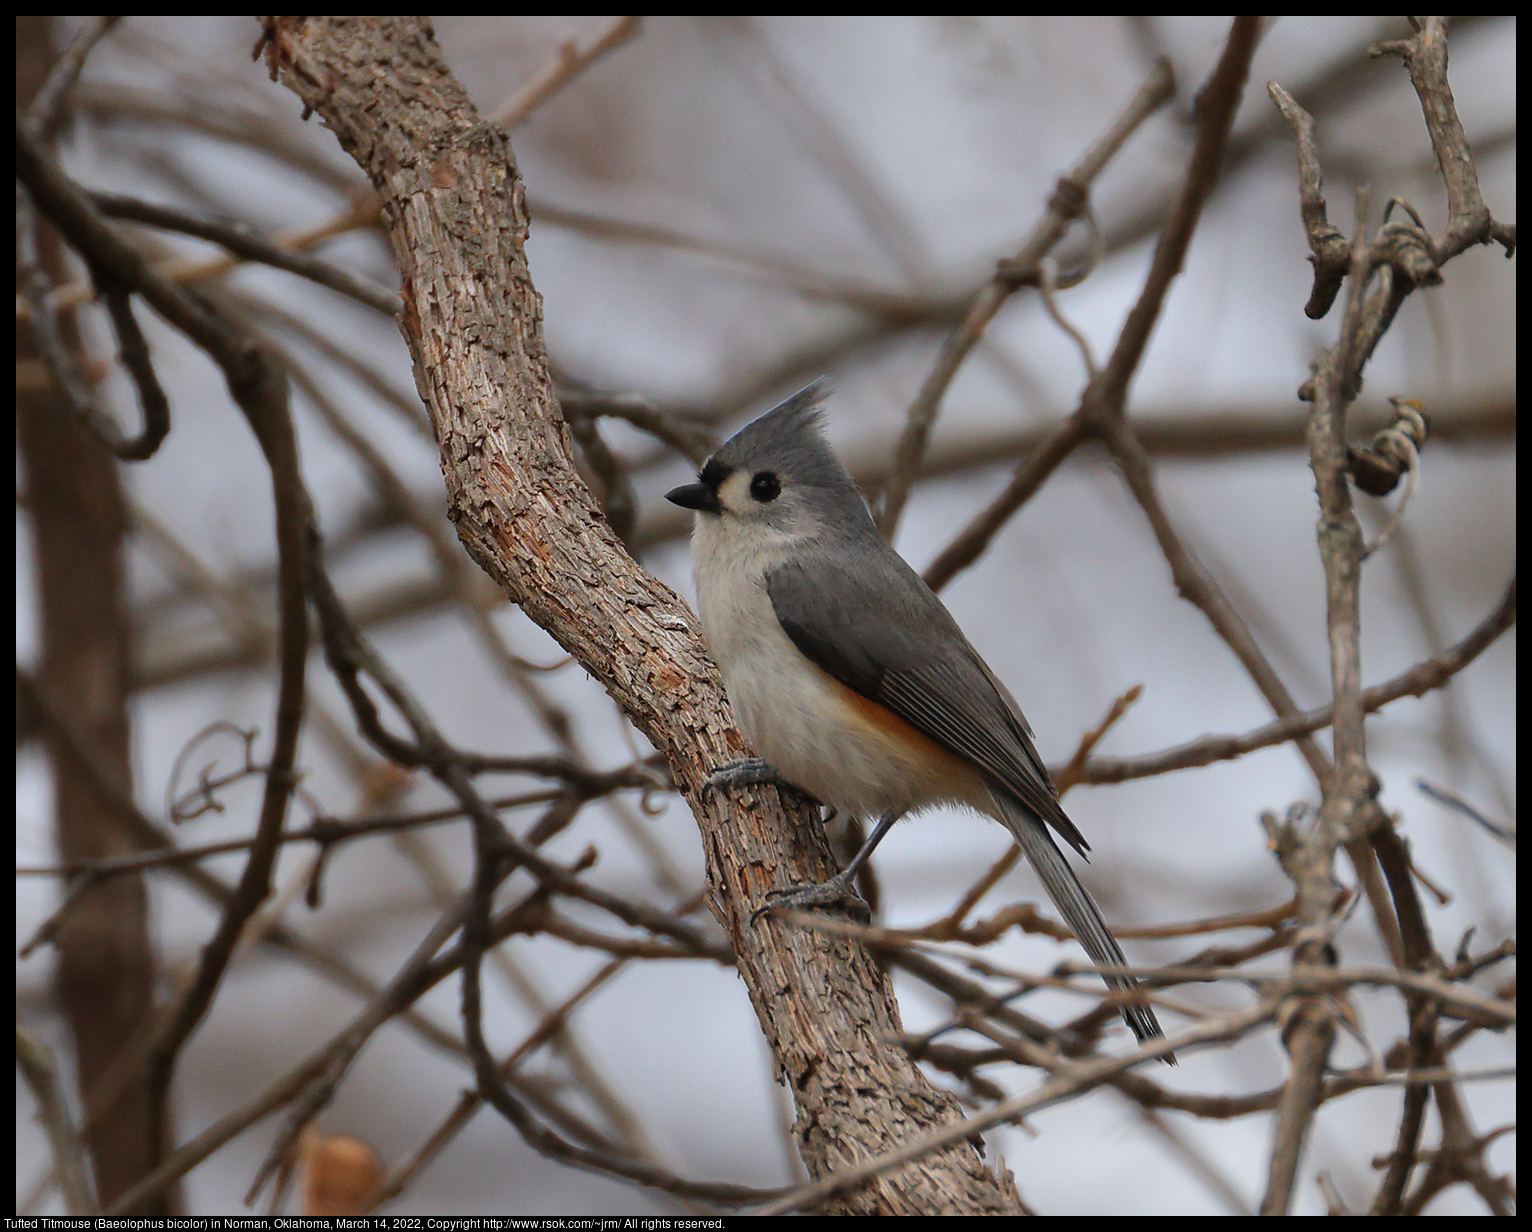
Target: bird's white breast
[{"x": 797, "y": 716}]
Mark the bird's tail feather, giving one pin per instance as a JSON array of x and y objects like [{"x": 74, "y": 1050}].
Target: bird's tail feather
[{"x": 1077, "y": 907}]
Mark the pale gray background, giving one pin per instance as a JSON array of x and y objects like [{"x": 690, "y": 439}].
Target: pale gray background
[{"x": 959, "y": 126}]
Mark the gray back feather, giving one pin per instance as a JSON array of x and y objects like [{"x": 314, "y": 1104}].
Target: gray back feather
[{"x": 854, "y": 607}]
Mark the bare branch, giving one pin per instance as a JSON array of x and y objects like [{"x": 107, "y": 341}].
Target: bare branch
[
  {"x": 1077, "y": 1078},
  {"x": 243, "y": 242},
  {"x": 567, "y": 63},
  {"x": 525, "y": 516},
  {"x": 259, "y": 389},
  {"x": 47, "y": 107},
  {"x": 1331, "y": 251},
  {"x": 1468, "y": 218},
  {"x": 35, "y": 1061},
  {"x": 1068, "y": 203},
  {"x": 1416, "y": 682}
]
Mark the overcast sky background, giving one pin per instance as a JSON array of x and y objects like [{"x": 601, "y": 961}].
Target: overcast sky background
[{"x": 907, "y": 154}]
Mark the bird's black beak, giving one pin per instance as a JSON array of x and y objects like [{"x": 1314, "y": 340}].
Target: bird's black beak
[{"x": 696, "y": 496}]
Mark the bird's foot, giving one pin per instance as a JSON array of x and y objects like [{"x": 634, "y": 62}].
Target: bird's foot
[
  {"x": 749, "y": 772},
  {"x": 826, "y": 894}
]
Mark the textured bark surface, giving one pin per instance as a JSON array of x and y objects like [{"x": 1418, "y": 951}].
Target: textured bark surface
[{"x": 454, "y": 210}]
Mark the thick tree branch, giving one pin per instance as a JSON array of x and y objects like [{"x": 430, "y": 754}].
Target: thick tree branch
[{"x": 455, "y": 213}]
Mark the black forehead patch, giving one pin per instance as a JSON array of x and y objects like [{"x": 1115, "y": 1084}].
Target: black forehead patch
[{"x": 713, "y": 474}]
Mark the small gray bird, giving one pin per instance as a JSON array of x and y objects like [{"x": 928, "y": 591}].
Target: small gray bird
[{"x": 851, "y": 678}]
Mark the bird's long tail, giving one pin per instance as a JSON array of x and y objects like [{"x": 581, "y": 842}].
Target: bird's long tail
[{"x": 1078, "y": 908}]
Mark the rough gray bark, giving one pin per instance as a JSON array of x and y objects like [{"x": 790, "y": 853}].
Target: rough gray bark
[{"x": 454, "y": 210}]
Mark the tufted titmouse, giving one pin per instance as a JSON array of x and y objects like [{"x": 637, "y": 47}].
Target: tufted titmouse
[{"x": 849, "y": 675}]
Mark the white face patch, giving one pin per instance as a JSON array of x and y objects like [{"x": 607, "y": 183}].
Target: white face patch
[
  {"x": 766, "y": 530},
  {"x": 734, "y": 494}
]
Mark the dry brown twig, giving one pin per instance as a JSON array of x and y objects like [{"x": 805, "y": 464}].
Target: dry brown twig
[
  {"x": 286, "y": 248},
  {"x": 537, "y": 543},
  {"x": 567, "y": 63},
  {"x": 635, "y": 653},
  {"x": 257, "y": 386},
  {"x": 1379, "y": 272},
  {"x": 1069, "y": 202},
  {"x": 35, "y": 1062},
  {"x": 1085, "y": 1075}
]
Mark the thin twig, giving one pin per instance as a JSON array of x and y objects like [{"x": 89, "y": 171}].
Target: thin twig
[
  {"x": 1431, "y": 674},
  {"x": 1076, "y": 1079},
  {"x": 1469, "y": 221},
  {"x": 259, "y": 389},
  {"x": 1067, "y": 203},
  {"x": 970, "y": 542},
  {"x": 185, "y": 271},
  {"x": 692, "y": 441},
  {"x": 1457, "y": 803},
  {"x": 1330, "y": 250},
  {"x": 244, "y": 242},
  {"x": 325, "y": 830},
  {"x": 35, "y": 1061},
  {"x": 47, "y": 108},
  {"x": 773, "y": 268},
  {"x": 565, "y": 65}
]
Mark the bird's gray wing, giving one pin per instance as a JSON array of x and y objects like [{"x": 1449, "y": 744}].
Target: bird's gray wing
[{"x": 880, "y": 630}]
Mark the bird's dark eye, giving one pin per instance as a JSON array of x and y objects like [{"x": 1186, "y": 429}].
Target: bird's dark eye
[{"x": 765, "y": 487}]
